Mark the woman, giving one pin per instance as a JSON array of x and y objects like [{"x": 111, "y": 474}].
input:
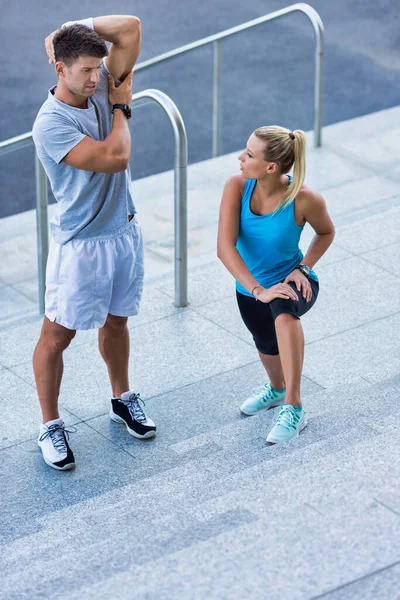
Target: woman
[{"x": 263, "y": 212}]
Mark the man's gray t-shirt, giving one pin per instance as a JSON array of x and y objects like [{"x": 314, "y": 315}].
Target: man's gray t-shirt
[{"x": 90, "y": 204}]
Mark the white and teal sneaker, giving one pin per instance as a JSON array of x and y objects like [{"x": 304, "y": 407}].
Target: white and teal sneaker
[
  {"x": 288, "y": 424},
  {"x": 262, "y": 398}
]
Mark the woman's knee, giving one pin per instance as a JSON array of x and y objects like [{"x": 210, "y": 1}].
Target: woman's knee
[{"x": 285, "y": 318}]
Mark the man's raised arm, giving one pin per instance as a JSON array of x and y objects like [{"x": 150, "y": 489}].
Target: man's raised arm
[
  {"x": 112, "y": 154},
  {"x": 125, "y": 35}
]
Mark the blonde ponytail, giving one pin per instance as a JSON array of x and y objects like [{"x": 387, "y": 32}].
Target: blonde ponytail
[{"x": 287, "y": 148}]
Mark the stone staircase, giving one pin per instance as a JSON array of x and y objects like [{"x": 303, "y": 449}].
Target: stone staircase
[
  {"x": 207, "y": 509},
  {"x": 210, "y": 510}
]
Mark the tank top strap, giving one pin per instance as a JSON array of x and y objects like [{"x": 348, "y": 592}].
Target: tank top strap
[{"x": 247, "y": 192}]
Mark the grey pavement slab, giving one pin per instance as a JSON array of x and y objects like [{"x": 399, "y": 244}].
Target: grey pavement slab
[
  {"x": 362, "y": 127},
  {"x": 18, "y": 341},
  {"x": 203, "y": 208},
  {"x": 21, "y": 412},
  {"x": 328, "y": 170},
  {"x": 177, "y": 489},
  {"x": 13, "y": 304},
  {"x": 165, "y": 355},
  {"x": 377, "y": 152},
  {"x": 352, "y": 292},
  {"x": 34, "y": 490},
  {"x": 225, "y": 313},
  {"x": 154, "y": 306},
  {"x": 18, "y": 262},
  {"x": 201, "y": 480},
  {"x": 15, "y": 225},
  {"x": 206, "y": 284},
  {"x": 370, "y": 351},
  {"x": 394, "y": 172},
  {"x": 376, "y": 403},
  {"x": 371, "y": 233},
  {"x": 381, "y": 584},
  {"x": 387, "y": 258},
  {"x": 29, "y": 288},
  {"x": 370, "y": 193},
  {"x": 147, "y": 189},
  {"x": 201, "y": 238},
  {"x": 335, "y": 253},
  {"x": 15, "y": 269},
  {"x": 233, "y": 565},
  {"x": 330, "y": 484},
  {"x": 111, "y": 556}
]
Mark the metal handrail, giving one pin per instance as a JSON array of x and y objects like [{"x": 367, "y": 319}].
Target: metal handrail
[
  {"x": 180, "y": 186},
  {"x": 318, "y": 26},
  {"x": 180, "y": 194}
]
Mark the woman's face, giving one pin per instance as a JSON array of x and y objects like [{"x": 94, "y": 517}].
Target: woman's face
[{"x": 252, "y": 163}]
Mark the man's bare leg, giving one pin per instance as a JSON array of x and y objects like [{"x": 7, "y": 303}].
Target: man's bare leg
[
  {"x": 114, "y": 348},
  {"x": 48, "y": 365}
]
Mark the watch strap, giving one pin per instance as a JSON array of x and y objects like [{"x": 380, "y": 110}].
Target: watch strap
[
  {"x": 305, "y": 269},
  {"x": 124, "y": 107}
]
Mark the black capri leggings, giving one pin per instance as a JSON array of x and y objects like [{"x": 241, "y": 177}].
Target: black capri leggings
[{"x": 259, "y": 317}]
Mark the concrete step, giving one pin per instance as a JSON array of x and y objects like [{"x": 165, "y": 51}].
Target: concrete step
[
  {"x": 138, "y": 535},
  {"x": 174, "y": 493}
]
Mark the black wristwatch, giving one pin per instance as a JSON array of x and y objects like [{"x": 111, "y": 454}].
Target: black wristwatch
[
  {"x": 124, "y": 107},
  {"x": 305, "y": 269}
]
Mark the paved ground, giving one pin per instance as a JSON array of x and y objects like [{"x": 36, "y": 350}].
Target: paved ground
[
  {"x": 267, "y": 74},
  {"x": 207, "y": 509}
]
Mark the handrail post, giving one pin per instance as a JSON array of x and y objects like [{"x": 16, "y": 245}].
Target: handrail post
[
  {"x": 180, "y": 187},
  {"x": 319, "y": 85},
  {"x": 180, "y": 228},
  {"x": 217, "y": 106},
  {"x": 41, "y": 228}
]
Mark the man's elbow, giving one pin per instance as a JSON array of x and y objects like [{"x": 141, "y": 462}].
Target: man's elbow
[
  {"x": 113, "y": 164},
  {"x": 121, "y": 163},
  {"x": 132, "y": 26}
]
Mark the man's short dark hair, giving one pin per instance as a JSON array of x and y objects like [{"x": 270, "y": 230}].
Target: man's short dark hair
[{"x": 78, "y": 40}]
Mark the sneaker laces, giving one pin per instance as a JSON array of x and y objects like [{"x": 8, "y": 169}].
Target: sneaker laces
[
  {"x": 56, "y": 432},
  {"x": 287, "y": 418},
  {"x": 263, "y": 393},
  {"x": 136, "y": 411}
]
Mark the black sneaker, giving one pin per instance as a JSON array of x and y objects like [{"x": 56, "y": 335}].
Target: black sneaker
[
  {"x": 128, "y": 410},
  {"x": 53, "y": 442}
]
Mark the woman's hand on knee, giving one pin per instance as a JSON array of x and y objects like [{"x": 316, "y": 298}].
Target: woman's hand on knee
[
  {"x": 301, "y": 282},
  {"x": 280, "y": 290}
]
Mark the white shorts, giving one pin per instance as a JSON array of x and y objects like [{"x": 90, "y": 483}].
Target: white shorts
[{"x": 86, "y": 279}]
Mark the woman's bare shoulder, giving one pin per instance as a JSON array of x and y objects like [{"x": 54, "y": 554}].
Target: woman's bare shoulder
[
  {"x": 236, "y": 181},
  {"x": 309, "y": 197}
]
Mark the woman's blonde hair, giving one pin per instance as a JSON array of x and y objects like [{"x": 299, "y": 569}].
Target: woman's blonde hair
[{"x": 286, "y": 148}]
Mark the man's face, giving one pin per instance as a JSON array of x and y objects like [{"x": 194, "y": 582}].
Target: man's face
[{"x": 82, "y": 77}]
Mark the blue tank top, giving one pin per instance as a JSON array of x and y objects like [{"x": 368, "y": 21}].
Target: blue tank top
[{"x": 268, "y": 244}]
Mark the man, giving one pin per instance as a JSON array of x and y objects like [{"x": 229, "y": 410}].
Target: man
[{"x": 94, "y": 273}]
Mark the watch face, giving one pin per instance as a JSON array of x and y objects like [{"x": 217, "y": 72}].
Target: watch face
[{"x": 306, "y": 269}]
